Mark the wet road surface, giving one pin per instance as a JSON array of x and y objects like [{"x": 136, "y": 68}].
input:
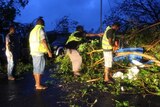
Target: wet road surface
[{"x": 22, "y": 93}]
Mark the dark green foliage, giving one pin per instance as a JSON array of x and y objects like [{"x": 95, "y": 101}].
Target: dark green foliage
[
  {"x": 22, "y": 68},
  {"x": 122, "y": 104},
  {"x": 134, "y": 13},
  {"x": 9, "y": 9},
  {"x": 65, "y": 25},
  {"x": 147, "y": 81}
]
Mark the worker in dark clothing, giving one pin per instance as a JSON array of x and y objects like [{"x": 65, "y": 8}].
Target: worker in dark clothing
[
  {"x": 72, "y": 44},
  {"x": 11, "y": 52}
]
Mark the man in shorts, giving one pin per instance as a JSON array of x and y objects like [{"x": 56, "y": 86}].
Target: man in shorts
[
  {"x": 37, "y": 37},
  {"x": 108, "y": 42}
]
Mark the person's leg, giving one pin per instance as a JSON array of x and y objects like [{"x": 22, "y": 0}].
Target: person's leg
[
  {"x": 108, "y": 64},
  {"x": 38, "y": 85},
  {"x": 10, "y": 65},
  {"x": 77, "y": 64},
  {"x": 38, "y": 82},
  {"x": 37, "y": 79},
  {"x": 76, "y": 60},
  {"x": 14, "y": 64},
  {"x": 38, "y": 64},
  {"x": 106, "y": 74}
]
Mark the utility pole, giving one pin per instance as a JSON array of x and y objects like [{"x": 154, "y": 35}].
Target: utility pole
[
  {"x": 101, "y": 15},
  {"x": 100, "y": 28}
]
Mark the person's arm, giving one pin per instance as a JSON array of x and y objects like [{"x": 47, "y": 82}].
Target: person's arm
[
  {"x": 83, "y": 34},
  {"x": 46, "y": 46},
  {"x": 101, "y": 34},
  {"x": 44, "y": 42},
  {"x": 91, "y": 35},
  {"x": 113, "y": 43},
  {"x": 110, "y": 37}
]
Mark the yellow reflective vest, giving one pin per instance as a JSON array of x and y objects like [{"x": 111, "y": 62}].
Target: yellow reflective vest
[
  {"x": 105, "y": 42},
  {"x": 36, "y": 47},
  {"x": 73, "y": 38}
]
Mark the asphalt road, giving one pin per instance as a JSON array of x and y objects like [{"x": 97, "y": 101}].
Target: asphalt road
[{"x": 22, "y": 93}]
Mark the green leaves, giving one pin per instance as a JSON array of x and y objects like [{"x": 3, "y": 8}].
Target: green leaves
[
  {"x": 122, "y": 104},
  {"x": 9, "y": 9},
  {"x": 146, "y": 82},
  {"x": 23, "y": 68},
  {"x": 65, "y": 64},
  {"x": 82, "y": 47}
]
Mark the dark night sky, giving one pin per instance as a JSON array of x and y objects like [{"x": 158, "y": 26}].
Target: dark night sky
[{"x": 86, "y": 12}]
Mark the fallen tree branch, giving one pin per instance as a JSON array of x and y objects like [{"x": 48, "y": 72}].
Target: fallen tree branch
[
  {"x": 100, "y": 50},
  {"x": 147, "y": 90},
  {"x": 140, "y": 54},
  {"x": 120, "y": 65},
  {"x": 93, "y": 80},
  {"x": 121, "y": 70},
  {"x": 98, "y": 62},
  {"x": 91, "y": 47},
  {"x": 158, "y": 23},
  {"x": 153, "y": 45}
]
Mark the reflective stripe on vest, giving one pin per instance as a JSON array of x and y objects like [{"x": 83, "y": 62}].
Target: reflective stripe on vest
[
  {"x": 73, "y": 38},
  {"x": 105, "y": 42}
]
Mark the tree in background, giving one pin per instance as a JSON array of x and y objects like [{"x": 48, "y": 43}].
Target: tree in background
[
  {"x": 65, "y": 25},
  {"x": 9, "y": 9},
  {"x": 135, "y": 13}
]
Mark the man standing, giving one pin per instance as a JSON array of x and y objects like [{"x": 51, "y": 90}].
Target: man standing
[
  {"x": 37, "y": 39},
  {"x": 108, "y": 42},
  {"x": 72, "y": 44},
  {"x": 10, "y": 52}
]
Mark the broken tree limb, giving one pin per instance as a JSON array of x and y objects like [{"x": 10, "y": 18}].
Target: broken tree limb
[
  {"x": 120, "y": 65},
  {"x": 98, "y": 62},
  {"x": 158, "y": 23},
  {"x": 93, "y": 80},
  {"x": 91, "y": 47},
  {"x": 100, "y": 50},
  {"x": 140, "y": 54},
  {"x": 150, "y": 45},
  {"x": 153, "y": 45}
]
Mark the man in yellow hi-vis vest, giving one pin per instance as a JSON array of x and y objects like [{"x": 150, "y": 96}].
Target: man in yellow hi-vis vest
[
  {"x": 37, "y": 39},
  {"x": 72, "y": 44},
  {"x": 108, "y": 42}
]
